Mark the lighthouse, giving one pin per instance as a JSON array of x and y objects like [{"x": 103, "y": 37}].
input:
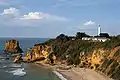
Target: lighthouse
[{"x": 99, "y": 29}]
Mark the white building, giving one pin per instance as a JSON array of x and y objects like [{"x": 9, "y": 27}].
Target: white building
[
  {"x": 100, "y": 37},
  {"x": 95, "y": 39},
  {"x": 99, "y": 29}
]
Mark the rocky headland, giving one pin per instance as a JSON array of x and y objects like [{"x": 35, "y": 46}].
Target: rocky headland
[
  {"x": 67, "y": 53},
  {"x": 102, "y": 57}
]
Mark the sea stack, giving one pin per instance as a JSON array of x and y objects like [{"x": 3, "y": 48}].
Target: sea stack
[{"x": 12, "y": 46}]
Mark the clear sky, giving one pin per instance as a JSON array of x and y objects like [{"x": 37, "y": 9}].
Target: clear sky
[{"x": 49, "y": 18}]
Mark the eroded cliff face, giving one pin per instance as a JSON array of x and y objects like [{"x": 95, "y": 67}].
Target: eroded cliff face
[
  {"x": 107, "y": 62},
  {"x": 94, "y": 58},
  {"x": 99, "y": 56},
  {"x": 111, "y": 64},
  {"x": 40, "y": 53},
  {"x": 12, "y": 46}
]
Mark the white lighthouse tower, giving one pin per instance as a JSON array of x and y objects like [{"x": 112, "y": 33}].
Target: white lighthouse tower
[{"x": 99, "y": 29}]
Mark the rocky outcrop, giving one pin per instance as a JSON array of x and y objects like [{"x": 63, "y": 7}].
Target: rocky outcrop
[
  {"x": 18, "y": 59},
  {"x": 111, "y": 64},
  {"x": 94, "y": 59},
  {"x": 12, "y": 46},
  {"x": 107, "y": 62},
  {"x": 40, "y": 53}
]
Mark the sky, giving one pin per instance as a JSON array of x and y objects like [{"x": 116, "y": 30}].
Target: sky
[{"x": 49, "y": 18}]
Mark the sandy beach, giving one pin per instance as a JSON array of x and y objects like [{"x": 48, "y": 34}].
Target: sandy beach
[
  {"x": 83, "y": 74},
  {"x": 75, "y": 73}
]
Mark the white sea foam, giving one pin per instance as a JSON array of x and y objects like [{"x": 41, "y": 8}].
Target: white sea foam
[
  {"x": 16, "y": 65},
  {"x": 2, "y": 59},
  {"x": 18, "y": 72},
  {"x": 4, "y": 66},
  {"x": 59, "y": 75}
]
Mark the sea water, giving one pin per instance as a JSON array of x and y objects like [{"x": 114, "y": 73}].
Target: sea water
[{"x": 24, "y": 71}]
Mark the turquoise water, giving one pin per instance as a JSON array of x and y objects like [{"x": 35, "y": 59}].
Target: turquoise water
[{"x": 11, "y": 71}]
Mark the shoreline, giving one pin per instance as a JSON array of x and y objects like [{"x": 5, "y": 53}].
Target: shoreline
[
  {"x": 54, "y": 71},
  {"x": 74, "y": 73},
  {"x": 59, "y": 75}
]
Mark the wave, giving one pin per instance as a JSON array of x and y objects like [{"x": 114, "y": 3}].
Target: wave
[
  {"x": 18, "y": 72},
  {"x": 15, "y": 66},
  {"x": 1, "y": 67},
  {"x": 11, "y": 66},
  {"x": 4, "y": 66},
  {"x": 59, "y": 75}
]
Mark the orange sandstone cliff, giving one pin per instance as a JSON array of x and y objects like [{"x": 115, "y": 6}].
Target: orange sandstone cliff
[
  {"x": 40, "y": 53},
  {"x": 107, "y": 62}
]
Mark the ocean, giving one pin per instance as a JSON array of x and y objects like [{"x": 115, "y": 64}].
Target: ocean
[{"x": 24, "y": 71}]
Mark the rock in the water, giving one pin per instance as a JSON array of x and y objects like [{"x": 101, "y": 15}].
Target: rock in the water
[
  {"x": 18, "y": 59},
  {"x": 12, "y": 46}
]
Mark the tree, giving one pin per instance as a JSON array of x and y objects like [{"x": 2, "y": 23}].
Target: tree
[
  {"x": 80, "y": 35},
  {"x": 62, "y": 37}
]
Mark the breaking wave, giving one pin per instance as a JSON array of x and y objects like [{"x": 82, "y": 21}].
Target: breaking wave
[
  {"x": 16, "y": 66},
  {"x": 18, "y": 72}
]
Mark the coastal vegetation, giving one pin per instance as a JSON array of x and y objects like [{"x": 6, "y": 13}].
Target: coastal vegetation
[
  {"x": 74, "y": 46},
  {"x": 100, "y": 56}
]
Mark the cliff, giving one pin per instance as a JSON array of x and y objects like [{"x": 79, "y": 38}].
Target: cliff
[
  {"x": 107, "y": 62},
  {"x": 40, "y": 53},
  {"x": 99, "y": 56},
  {"x": 12, "y": 46},
  {"x": 103, "y": 57}
]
